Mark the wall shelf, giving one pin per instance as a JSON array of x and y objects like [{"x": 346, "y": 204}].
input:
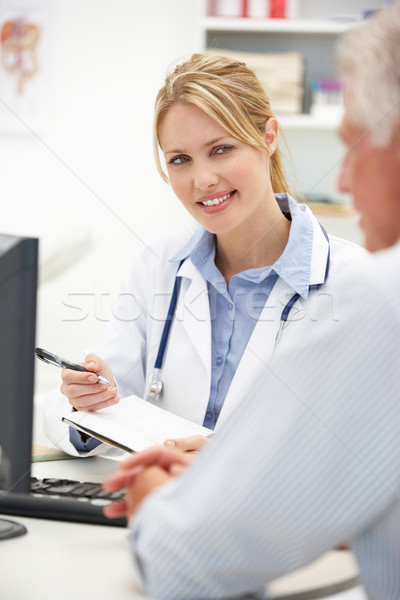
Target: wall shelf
[
  {"x": 309, "y": 121},
  {"x": 305, "y": 26}
]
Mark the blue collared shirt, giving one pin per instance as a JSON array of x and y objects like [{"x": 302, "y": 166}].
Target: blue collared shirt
[{"x": 235, "y": 310}]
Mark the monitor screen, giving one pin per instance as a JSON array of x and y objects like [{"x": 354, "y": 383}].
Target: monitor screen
[{"x": 18, "y": 284}]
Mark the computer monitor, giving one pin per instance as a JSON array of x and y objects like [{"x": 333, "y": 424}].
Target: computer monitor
[
  {"x": 18, "y": 282},
  {"x": 18, "y": 286}
]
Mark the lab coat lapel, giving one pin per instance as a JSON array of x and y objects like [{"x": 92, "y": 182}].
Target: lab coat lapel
[
  {"x": 258, "y": 350},
  {"x": 193, "y": 313}
]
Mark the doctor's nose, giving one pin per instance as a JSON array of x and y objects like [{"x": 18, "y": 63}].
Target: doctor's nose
[{"x": 205, "y": 177}]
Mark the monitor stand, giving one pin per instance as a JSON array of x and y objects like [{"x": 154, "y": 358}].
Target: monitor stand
[{"x": 10, "y": 529}]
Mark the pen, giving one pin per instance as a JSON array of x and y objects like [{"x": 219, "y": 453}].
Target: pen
[{"x": 57, "y": 361}]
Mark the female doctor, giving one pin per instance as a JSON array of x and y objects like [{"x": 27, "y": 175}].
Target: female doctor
[{"x": 257, "y": 274}]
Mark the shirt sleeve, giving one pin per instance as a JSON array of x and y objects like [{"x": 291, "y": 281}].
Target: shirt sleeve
[
  {"x": 82, "y": 443},
  {"x": 310, "y": 460}
]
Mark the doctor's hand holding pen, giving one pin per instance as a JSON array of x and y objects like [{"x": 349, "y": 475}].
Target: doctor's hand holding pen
[
  {"x": 142, "y": 473},
  {"x": 84, "y": 390},
  {"x": 94, "y": 388}
]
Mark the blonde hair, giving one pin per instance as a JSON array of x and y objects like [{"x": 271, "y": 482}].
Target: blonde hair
[{"x": 231, "y": 94}]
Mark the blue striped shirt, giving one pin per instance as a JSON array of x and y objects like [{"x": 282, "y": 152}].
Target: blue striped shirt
[
  {"x": 312, "y": 458},
  {"x": 235, "y": 310}
]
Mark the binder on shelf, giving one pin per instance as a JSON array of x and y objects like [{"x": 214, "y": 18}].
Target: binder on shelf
[{"x": 281, "y": 75}]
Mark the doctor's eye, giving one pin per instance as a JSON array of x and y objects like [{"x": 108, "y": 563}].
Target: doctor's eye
[
  {"x": 178, "y": 160},
  {"x": 223, "y": 149}
]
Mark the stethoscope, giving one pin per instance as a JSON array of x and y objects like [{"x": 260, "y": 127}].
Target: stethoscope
[{"x": 155, "y": 384}]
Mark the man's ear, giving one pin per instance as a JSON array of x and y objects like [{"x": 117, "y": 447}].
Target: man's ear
[{"x": 271, "y": 135}]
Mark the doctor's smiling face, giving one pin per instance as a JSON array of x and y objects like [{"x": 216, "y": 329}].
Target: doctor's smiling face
[
  {"x": 223, "y": 182},
  {"x": 214, "y": 126}
]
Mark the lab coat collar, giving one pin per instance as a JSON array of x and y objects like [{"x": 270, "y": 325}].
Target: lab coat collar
[
  {"x": 320, "y": 252},
  {"x": 202, "y": 239}
]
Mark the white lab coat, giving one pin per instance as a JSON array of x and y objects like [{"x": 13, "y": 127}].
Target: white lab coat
[{"x": 131, "y": 339}]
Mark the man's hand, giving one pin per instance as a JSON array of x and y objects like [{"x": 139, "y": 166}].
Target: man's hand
[
  {"x": 144, "y": 483},
  {"x": 142, "y": 473}
]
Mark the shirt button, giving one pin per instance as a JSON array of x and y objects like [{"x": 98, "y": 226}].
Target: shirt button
[
  {"x": 230, "y": 306},
  {"x": 218, "y": 362}
]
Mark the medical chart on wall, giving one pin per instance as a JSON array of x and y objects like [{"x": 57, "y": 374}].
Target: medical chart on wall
[{"x": 25, "y": 65}]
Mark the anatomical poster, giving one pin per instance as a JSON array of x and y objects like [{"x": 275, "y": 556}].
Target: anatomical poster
[{"x": 25, "y": 65}]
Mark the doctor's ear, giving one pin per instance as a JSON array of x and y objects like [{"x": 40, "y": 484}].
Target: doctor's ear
[{"x": 271, "y": 134}]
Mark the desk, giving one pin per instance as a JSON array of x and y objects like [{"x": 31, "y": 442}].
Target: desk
[
  {"x": 64, "y": 561},
  {"x": 58, "y": 561}
]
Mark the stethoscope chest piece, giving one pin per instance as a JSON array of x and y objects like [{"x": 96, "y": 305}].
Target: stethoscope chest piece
[{"x": 155, "y": 385}]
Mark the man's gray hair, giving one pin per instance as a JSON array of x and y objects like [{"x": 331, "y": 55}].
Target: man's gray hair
[{"x": 368, "y": 57}]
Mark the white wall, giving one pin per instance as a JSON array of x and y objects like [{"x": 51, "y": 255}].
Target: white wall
[{"x": 87, "y": 184}]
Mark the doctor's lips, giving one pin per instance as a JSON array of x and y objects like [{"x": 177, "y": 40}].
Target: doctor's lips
[{"x": 216, "y": 199}]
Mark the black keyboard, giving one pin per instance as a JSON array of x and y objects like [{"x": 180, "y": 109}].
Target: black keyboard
[
  {"x": 63, "y": 500},
  {"x": 68, "y": 488}
]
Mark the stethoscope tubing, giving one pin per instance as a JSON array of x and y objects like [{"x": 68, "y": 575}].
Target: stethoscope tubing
[{"x": 168, "y": 321}]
